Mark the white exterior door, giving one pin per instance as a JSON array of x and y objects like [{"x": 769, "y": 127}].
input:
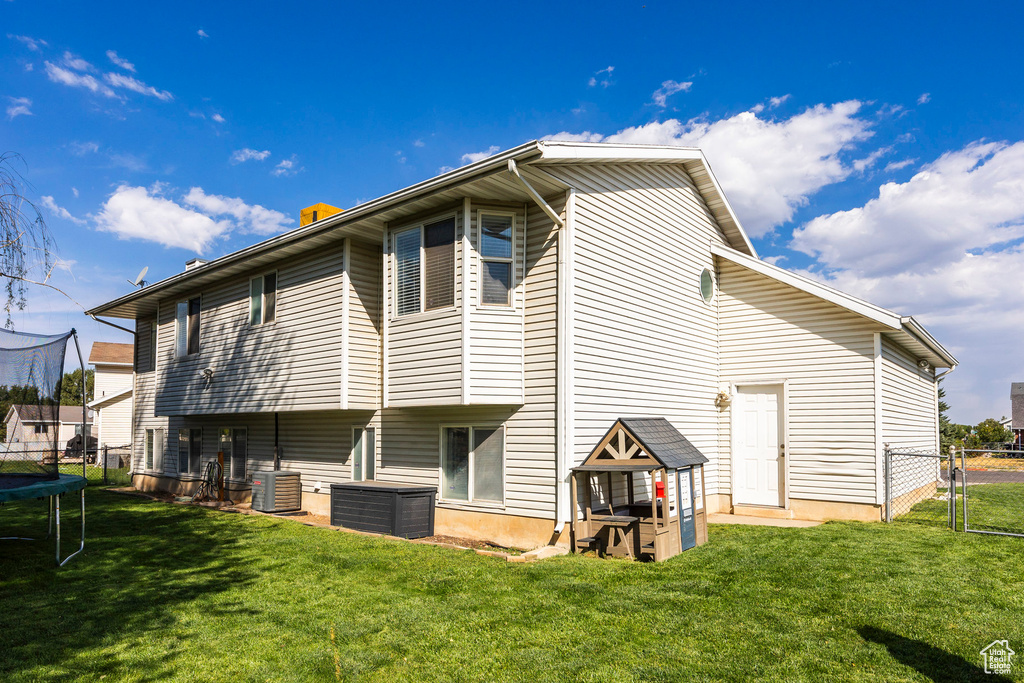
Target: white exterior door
[{"x": 758, "y": 455}]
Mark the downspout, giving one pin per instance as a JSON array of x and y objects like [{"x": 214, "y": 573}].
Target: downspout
[
  {"x": 563, "y": 325},
  {"x": 105, "y": 322}
]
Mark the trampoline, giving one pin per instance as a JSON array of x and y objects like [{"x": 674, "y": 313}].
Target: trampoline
[{"x": 31, "y": 374}]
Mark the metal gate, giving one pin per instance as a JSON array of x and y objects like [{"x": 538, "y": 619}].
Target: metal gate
[
  {"x": 992, "y": 491},
  {"x": 920, "y": 487}
]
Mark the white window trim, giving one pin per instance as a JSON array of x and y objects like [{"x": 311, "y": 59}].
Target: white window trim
[
  {"x": 710, "y": 301},
  {"x": 190, "y": 474},
  {"x": 229, "y": 472},
  {"x": 419, "y": 225},
  {"x": 263, "y": 299},
  {"x": 455, "y": 502},
  {"x": 480, "y": 258},
  {"x": 352, "y": 454},
  {"x": 186, "y": 301}
]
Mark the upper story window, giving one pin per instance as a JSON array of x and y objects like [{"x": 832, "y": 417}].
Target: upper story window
[
  {"x": 186, "y": 327},
  {"x": 497, "y": 264},
  {"x": 425, "y": 267},
  {"x": 263, "y": 299}
]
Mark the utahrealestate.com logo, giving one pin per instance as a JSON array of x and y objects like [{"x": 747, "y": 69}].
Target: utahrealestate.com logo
[{"x": 997, "y": 656}]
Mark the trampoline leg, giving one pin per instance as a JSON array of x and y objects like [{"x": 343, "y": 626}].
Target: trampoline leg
[{"x": 81, "y": 545}]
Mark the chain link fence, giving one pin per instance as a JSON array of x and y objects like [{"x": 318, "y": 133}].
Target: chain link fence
[
  {"x": 106, "y": 465},
  {"x": 992, "y": 491},
  {"x": 917, "y": 488}
]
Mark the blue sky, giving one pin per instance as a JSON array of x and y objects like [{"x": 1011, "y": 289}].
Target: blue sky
[{"x": 878, "y": 147}]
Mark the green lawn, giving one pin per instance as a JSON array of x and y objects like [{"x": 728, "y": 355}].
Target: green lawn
[{"x": 167, "y": 592}]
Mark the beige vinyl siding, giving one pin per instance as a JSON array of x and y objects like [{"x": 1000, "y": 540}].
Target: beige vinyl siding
[
  {"x": 259, "y": 447},
  {"x": 111, "y": 379},
  {"x": 293, "y": 363},
  {"x": 144, "y": 398},
  {"x": 645, "y": 341},
  {"x": 410, "y": 438},
  {"x": 364, "y": 385},
  {"x": 496, "y": 335},
  {"x": 424, "y": 356},
  {"x": 773, "y": 332},
  {"x": 115, "y": 422},
  {"x": 909, "y": 409}
]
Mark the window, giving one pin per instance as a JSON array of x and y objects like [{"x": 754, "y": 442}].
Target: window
[
  {"x": 472, "y": 464},
  {"x": 233, "y": 445},
  {"x": 186, "y": 329},
  {"x": 263, "y": 299},
  {"x": 154, "y": 450},
  {"x": 190, "y": 450},
  {"x": 152, "y": 346},
  {"x": 364, "y": 454},
  {"x": 41, "y": 429},
  {"x": 496, "y": 270},
  {"x": 707, "y": 285},
  {"x": 425, "y": 267}
]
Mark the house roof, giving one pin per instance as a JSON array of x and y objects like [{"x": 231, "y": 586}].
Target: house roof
[
  {"x": 104, "y": 400},
  {"x": 112, "y": 353},
  {"x": 658, "y": 439},
  {"x": 904, "y": 330},
  {"x": 31, "y": 413},
  {"x": 489, "y": 177}
]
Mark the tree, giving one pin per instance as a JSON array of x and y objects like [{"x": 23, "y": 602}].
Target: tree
[
  {"x": 71, "y": 387},
  {"x": 991, "y": 431},
  {"x": 25, "y": 241}
]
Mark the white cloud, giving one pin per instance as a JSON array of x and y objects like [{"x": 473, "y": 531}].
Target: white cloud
[
  {"x": 120, "y": 61},
  {"x": 76, "y": 80},
  {"x": 477, "y": 156},
  {"x": 135, "y": 85},
  {"x": 74, "y": 191},
  {"x": 287, "y": 167},
  {"x": 240, "y": 156},
  {"x": 29, "y": 66},
  {"x": 898, "y": 165},
  {"x": 33, "y": 44},
  {"x": 19, "y": 106},
  {"x": 418, "y": 143},
  {"x": 778, "y": 101},
  {"x": 60, "y": 212},
  {"x": 82, "y": 148},
  {"x": 602, "y": 77},
  {"x": 669, "y": 88},
  {"x": 968, "y": 200},
  {"x": 925, "y": 98},
  {"x": 861, "y": 165},
  {"x": 75, "y": 62},
  {"x": 218, "y": 118},
  {"x": 202, "y": 34},
  {"x": 768, "y": 167},
  {"x": 249, "y": 217},
  {"x": 401, "y": 157},
  {"x": 141, "y": 213},
  {"x": 145, "y": 213}
]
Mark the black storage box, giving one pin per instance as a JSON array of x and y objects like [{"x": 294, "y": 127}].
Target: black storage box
[{"x": 395, "y": 509}]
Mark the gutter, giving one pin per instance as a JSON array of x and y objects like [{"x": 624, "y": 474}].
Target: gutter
[{"x": 922, "y": 335}]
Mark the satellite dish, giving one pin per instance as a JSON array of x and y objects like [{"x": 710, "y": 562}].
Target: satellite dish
[{"x": 139, "y": 282}]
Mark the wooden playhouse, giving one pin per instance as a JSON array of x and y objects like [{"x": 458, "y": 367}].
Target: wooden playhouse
[{"x": 640, "y": 492}]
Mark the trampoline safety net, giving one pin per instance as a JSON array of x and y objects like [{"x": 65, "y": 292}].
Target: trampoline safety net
[{"x": 31, "y": 369}]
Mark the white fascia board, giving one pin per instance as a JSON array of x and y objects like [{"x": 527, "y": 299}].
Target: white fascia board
[
  {"x": 728, "y": 207},
  {"x": 922, "y": 335},
  {"x": 554, "y": 150},
  {"x": 107, "y": 399},
  {"x": 824, "y": 292}
]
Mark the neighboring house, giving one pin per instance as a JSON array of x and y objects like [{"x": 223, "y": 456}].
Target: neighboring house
[
  {"x": 482, "y": 330},
  {"x": 112, "y": 392},
  {"x": 1017, "y": 413},
  {"x": 31, "y": 427}
]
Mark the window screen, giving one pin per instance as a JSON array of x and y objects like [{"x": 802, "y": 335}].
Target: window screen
[
  {"x": 487, "y": 464},
  {"x": 496, "y": 259},
  {"x": 256, "y": 301},
  {"x": 455, "y": 464},
  {"x": 193, "y": 325},
  {"x": 439, "y": 256},
  {"x": 407, "y": 272},
  {"x": 269, "y": 297}
]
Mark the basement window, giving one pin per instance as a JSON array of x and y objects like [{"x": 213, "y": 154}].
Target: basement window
[
  {"x": 234, "y": 445},
  {"x": 473, "y": 464},
  {"x": 190, "y": 450},
  {"x": 154, "y": 450}
]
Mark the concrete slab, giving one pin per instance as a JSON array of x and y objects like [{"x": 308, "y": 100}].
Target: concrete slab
[{"x": 719, "y": 518}]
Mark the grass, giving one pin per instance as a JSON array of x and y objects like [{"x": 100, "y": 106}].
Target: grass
[
  {"x": 167, "y": 592},
  {"x": 990, "y": 507},
  {"x": 993, "y": 463}
]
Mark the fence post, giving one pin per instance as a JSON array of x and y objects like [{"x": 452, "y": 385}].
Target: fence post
[
  {"x": 106, "y": 451},
  {"x": 963, "y": 479},
  {"x": 888, "y": 484},
  {"x": 951, "y": 493}
]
